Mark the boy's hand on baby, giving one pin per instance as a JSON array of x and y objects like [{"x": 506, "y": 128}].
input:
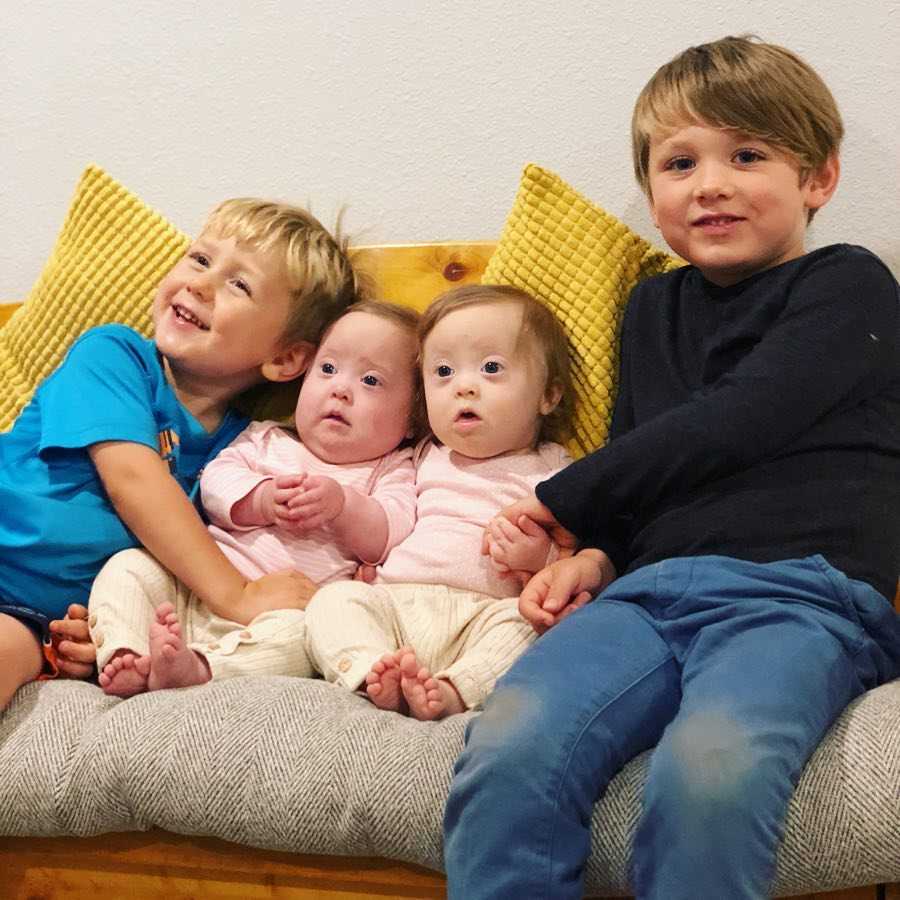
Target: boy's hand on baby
[
  {"x": 316, "y": 500},
  {"x": 76, "y": 654},
  {"x": 287, "y": 589},
  {"x": 564, "y": 587},
  {"x": 520, "y": 547}
]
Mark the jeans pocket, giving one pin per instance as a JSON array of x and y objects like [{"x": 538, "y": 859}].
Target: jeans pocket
[{"x": 841, "y": 591}]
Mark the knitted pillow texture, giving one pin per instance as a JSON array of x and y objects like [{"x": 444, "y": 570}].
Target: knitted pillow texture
[
  {"x": 582, "y": 263},
  {"x": 111, "y": 254}
]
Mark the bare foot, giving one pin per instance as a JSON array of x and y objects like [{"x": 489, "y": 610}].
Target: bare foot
[
  {"x": 172, "y": 663},
  {"x": 125, "y": 674},
  {"x": 428, "y": 697},
  {"x": 383, "y": 683}
]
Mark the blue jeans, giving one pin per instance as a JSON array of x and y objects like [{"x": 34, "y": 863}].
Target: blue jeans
[{"x": 733, "y": 670}]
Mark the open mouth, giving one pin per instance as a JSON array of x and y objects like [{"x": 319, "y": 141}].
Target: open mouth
[
  {"x": 466, "y": 415},
  {"x": 185, "y": 315}
]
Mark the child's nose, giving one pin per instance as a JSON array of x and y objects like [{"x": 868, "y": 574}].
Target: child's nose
[
  {"x": 200, "y": 286},
  {"x": 713, "y": 180},
  {"x": 340, "y": 388},
  {"x": 466, "y": 387}
]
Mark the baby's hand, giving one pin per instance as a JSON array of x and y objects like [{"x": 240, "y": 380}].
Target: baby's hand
[
  {"x": 522, "y": 547},
  {"x": 75, "y": 652},
  {"x": 563, "y": 587},
  {"x": 308, "y": 503},
  {"x": 286, "y": 589}
]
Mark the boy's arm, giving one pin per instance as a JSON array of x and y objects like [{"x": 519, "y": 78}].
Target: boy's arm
[
  {"x": 835, "y": 343},
  {"x": 153, "y": 505}
]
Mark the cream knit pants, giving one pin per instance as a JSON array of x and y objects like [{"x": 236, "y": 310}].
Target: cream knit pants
[
  {"x": 468, "y": 638},
  {"x": 132, "y": 584}
]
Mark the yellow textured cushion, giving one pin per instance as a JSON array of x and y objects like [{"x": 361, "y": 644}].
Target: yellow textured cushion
[
  {"x": 111, "y": 254},
  {"x": 582, "y": 262}
]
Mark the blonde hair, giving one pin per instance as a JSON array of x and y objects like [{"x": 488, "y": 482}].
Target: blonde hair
[
  {"x": 321, "y": 278},
  {"x": 407, "y": 319},
  {"x": 743, "y": 84},
  {"x": 539, "y": 325}
]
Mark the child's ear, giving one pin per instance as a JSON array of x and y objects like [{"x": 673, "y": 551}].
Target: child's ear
[
  {"x": 289, "y": 363},
  {"x": 551, "y": 399},
  {"x": 821, "y": 183}
]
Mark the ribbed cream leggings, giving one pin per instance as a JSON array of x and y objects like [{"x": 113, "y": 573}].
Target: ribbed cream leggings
[
  {"x": 132, "y": 584},
  {"x": 468, "y": 638}
]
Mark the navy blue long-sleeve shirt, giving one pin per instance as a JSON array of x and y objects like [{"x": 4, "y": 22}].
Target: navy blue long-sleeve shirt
[{"x": 759, "y": 421}]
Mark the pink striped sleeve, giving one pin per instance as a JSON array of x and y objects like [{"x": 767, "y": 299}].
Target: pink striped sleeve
[
  {"x": 233, "y": 474},
  {"x": 395, "y": 491}
]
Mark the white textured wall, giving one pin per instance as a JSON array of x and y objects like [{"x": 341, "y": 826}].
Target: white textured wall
[{"x": 417, "y": 115}]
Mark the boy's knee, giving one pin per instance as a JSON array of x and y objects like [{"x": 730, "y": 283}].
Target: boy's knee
[
  {"x": 509, "y": 727},
  {"x": 713, "y": 757}
]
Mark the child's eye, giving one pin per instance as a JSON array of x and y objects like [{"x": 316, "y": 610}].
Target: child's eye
[
  {"x": 443, "y": 371},
  {"x": 242, "y": 285},
  {"x": 371, "y": 380},
  {"x": 746, "y": 157},
  {"x": 679, "y": 164},
  {"x": 492, "y": 367},
  {"x": 200, "y": 258},
  {"x": 327, "y": 368}
]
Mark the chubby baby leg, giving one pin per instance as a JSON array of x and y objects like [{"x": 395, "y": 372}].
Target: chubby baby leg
[
  {"x": 351, "y": 627},
  {"x": 121, "y": 610}
]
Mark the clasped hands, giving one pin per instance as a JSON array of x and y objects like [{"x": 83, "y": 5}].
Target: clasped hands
[
  {"x": 518, "y": 542},
  {"x": 301, "y": 503}
]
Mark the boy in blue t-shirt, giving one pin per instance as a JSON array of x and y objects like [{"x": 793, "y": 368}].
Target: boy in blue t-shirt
[
  {"x": 108, "y": 452},
  {"x": 748, "y": 501}
]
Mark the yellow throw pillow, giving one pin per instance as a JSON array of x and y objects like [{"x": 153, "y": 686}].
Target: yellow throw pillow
[
  {"x": 582, "y": 262},
  {"x": 111, "y": 254}
]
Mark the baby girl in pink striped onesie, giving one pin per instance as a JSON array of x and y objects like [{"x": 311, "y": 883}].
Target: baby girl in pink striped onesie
[{"x": 338, "y": 491}]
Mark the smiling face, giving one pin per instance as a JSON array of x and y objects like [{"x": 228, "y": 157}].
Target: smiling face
[
  {"x": 730, "y": 203},
  {"x": 220, "y": 314},
  {"x": 485, "y": 381},
  {"x": 356, "y": 399}
]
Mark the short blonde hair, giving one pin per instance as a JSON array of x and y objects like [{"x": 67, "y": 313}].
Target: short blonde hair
[
  {"x": 539, "y": 326},
  {"x": 407, "y": 319},
  {"x": 322, "y": 280},
  {"x": 744, "y": 84}
]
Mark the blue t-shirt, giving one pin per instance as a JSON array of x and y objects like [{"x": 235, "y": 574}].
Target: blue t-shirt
[{"x": 57, "y": 526}]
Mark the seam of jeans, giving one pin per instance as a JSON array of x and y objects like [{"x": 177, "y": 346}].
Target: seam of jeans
[
  {"x": 552, "y": 834},
  {"x": 839, "y": 587}
]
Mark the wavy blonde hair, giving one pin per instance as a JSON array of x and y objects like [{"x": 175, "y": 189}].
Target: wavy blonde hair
[{"x": 322, "y": 280}]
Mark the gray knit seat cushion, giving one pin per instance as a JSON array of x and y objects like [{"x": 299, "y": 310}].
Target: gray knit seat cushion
[{"x": 300, "y": 765}]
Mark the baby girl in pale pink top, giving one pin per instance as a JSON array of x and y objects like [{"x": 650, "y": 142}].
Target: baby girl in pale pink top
[{"x": 338, "y": 491}]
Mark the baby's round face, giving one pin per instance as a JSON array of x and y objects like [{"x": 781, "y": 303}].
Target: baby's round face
[
  {"x": 484, "y": 381},
  {"x": 357, "y": 396}
]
